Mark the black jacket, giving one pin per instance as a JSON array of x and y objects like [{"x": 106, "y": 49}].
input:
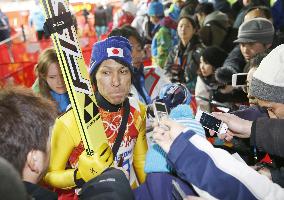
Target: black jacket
[
  {"x": 234, "y": 63},
  {"x": 100, "y": 17},
  {"x": 267, "y": 135},
  {"x": 39, "y": 193}
]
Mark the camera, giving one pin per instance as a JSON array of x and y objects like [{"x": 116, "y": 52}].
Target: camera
[
  {"x": 208, "y": 121},
  {"x": 239, "y": 80},
  {"x": 160, "y": 110}
]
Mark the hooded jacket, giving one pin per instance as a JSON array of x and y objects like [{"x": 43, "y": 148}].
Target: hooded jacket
[{"x": 217, "y": 23}]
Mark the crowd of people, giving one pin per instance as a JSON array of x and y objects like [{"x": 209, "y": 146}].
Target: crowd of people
[{"x": 195, "y": 48}]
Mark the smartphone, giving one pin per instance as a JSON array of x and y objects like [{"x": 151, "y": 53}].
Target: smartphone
[
  {"x": 239, "y": 79},
  {"x": 160, "y": 110},
  {"x": 208, "y": 121}
]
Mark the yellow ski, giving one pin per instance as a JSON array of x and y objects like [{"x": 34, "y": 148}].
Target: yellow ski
[{"x": 59, "y": 23}]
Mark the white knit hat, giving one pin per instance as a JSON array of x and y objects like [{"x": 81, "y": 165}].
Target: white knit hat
[{"x": 268, "y": 80}]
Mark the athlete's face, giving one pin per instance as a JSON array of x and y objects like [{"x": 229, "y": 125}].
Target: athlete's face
[
  {"x": 113, "y": 81},
  {"x": 54, "y": 79}
]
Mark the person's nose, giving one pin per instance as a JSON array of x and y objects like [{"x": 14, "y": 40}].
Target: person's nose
[
  {"x": 115, "y": 80},
  {"x": 60, "y": 80},
  {"x": 246, "y": 49}
]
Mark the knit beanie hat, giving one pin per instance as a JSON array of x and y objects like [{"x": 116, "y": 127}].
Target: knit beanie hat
[
  {"x": 156, "y": 9},
  {"x": 256, "y": 30},
  {"x": 116, "y": 47},
  {"x": 156, "y": 157},
  {"x": 215, "y": 56},
  {"x": 268, "y": 80}
]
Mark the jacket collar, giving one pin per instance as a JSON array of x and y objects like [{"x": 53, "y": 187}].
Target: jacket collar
[{"x": 104, "y": 104}]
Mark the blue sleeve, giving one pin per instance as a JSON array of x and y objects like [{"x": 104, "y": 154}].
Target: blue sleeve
[{"x": 209, "y": 169}]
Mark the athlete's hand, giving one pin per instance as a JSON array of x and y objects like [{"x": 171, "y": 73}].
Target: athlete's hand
[{"x": 92, "y": 166}]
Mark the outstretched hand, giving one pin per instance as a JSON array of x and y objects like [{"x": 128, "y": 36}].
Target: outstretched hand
[
  {"x": 165, "y": 132},
  {"x": 237, "y": 127}
]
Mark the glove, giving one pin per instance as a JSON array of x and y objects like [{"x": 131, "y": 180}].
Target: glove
[{"x": 92, "y": 166}]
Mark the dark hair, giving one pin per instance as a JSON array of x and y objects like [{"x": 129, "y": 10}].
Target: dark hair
[
  {"x": 205, "y": 8},
  {"x": 25, "y": 125},
  {"x": 213, "y": 55},
  {"x": 127, "y": 31},
  {"x": 189, "y": 18}
]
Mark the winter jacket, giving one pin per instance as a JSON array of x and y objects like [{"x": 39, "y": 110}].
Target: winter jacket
[
  {"x": 250, "y": 150},
  {"x": 183, "y": 62},
  {"x": 242, "y": 146},
  {"x": 174, "y": 12},
  {"x": 234, "y": 63},
  {"x": 241, "y": 15},
  {"x": 218, "y": 23},
  {"x": 267, "y": 135},
  {"x": 214, "y": 173},
  {"x": 36, "y": 192},
  {"x": 161, "y": 44},
  {"x": 67, "y": 146},
  {"x": 189, "y": 7},
  {"x": 204, "y": 89},
  {"x": 100, "y": 17},
  {"x": 277, "y": 11},
  {"x": 139, "y": 84}
]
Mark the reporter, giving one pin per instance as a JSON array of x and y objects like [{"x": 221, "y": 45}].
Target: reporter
[{"x": 208, "y": 169}]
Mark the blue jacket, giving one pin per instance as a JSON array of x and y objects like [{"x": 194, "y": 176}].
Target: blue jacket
[
  {"x": 214, "y": 173},
  {"x": 277, "y": 11},
  {"x": 139, "y": 83}
]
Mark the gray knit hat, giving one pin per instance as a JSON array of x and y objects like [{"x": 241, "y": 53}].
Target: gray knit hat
[
  {"x": 256, "y": 30},
  {"x": 268, "y": 80}
]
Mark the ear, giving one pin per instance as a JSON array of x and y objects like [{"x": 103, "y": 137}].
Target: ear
[{"x": 32, "y": 161}]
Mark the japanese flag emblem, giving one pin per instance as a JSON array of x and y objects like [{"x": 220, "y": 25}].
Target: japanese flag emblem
[{"x": 114, "y": 52}]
